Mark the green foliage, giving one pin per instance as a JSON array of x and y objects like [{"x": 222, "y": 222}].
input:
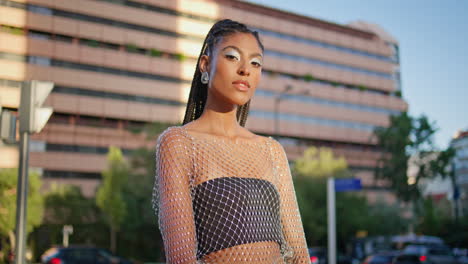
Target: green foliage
[
  {"x": 130, "y": 47},
  {"x": 180, "y": 57},
  {"x": 66, "y": 205},
  {"x": 320, "y": 163},
  {"x": 140, "y": 227},
  {"x": 353, "y": 212},
  {"x": 308, "y": 78},
  {"x": 155, "y": 53},
  {"x": 405, "y": 137},
  {"x": 431, "y": 219},
  {"x": 362, "y": 88},
  {"x": 12, "y": 30},
  {"x": 8, "y": 188},
  {"x": 109, "y": 197},
  {"x": 93, "y": 43},
  {"x": 397, "y": 94}
]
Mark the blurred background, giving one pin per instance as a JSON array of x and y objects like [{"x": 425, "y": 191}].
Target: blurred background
[{"x": 373, "y": 92}]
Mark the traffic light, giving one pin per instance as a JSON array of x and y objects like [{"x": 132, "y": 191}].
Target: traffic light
[
  {"x": 32, "y": 115},
  {"x": 7, "y": 126}
]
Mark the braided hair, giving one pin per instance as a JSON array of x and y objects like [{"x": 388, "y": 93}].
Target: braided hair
[{"x": 199, "y": 91}]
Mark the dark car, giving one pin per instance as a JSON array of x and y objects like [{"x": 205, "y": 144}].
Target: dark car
[
  {"x": 381, "y": 258},
  {"x": 409, "y": 259},
  {"x": 318, "y": 255},
  {"x": 80, "y": 255},
  {"x": 431, "y": 254}
]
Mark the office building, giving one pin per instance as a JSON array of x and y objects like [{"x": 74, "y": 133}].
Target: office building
[{"x": 120, "y": 64}]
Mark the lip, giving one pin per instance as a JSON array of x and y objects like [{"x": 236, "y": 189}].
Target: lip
[{"x": 241, "y": 85}]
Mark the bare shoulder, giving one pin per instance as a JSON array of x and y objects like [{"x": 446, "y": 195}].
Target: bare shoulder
[
  {"x": 277, "y": 147},
  {"x": 172, "y": 136},
  {"x": 247, "y": 134}
]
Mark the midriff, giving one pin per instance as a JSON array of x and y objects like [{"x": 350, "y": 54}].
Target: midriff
[{"x": 264, "y": 252}]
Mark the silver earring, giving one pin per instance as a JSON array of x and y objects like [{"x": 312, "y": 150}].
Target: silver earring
[{"x": 205, "y": 77}]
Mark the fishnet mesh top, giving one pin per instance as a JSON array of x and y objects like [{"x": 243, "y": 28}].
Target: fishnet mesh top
[{"x": 225, "y": 201}]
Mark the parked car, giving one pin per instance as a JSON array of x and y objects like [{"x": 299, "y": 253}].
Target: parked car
[
  {"x": 318, "y": 255},
  {"x": 80, "y": 255},
  {"x": 409, "y": 259},
  {"x": 434, "y": 254},
  {"x": 461, "y": 254},
  {"x": 381, "y": 258}
]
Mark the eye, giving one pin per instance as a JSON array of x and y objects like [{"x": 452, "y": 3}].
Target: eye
[
  {"x": 256, "y": 62},
  {"x": 232, "y": 55}
]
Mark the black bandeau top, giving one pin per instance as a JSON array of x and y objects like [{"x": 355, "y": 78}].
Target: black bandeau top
[{"x": 232, "y": 211}]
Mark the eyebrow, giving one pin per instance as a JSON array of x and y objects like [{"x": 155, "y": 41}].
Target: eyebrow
[{"x": 236, "y": 48}]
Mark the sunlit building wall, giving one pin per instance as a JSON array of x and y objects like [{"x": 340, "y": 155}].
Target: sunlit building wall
[{"x": 117, "y": 65}]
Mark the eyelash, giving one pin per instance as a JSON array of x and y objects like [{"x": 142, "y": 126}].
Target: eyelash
[
  {"x": 232, "y": 57},
  {"x": 256, "y": 64}
]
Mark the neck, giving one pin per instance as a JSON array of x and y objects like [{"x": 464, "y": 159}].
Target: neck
[{"x": 220, "y": 119}]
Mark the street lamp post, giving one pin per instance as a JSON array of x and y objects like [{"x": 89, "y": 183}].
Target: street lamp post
[{"x": 277, "y": 101}]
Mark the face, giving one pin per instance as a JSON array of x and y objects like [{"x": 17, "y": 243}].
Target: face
[{"x": 235, "y": 68}]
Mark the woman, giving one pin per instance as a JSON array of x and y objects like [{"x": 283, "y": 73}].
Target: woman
[{"x": 222, "y": 193}]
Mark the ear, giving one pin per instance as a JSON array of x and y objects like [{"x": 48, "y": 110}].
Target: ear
[{"x": 204, "y": 64}]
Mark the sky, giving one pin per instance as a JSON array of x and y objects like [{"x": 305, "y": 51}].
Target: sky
[{"x": 433, "y": 41}]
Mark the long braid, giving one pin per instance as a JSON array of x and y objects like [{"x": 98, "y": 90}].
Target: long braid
[{"x": 199, "y": 91}]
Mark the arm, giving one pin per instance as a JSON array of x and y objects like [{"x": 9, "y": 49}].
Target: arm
[
  {"x": 290, "y": 216},
  {"x": 171, "y": 197}
]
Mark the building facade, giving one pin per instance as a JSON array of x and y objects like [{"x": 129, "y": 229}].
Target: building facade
[
  {"x": 460, "y": 162},
  {"x": 120, "y": 64}
]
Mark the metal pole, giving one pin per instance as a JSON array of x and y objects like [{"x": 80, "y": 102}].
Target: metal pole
[
  {"x": 331, "y": 221},
  {"x": 21, "y": 199}
]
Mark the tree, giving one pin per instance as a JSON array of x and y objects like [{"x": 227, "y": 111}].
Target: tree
[
  {"x": 141, "y": 232},
  {"x": 35, "y": 210},
  {"x": 109, "y": 197},
  {"x": 320, "y": 163},
  {"x": 409, "y": 137},
  {"x": 66, "y": 205},
  {"x": 353, "y": 211},
  {"x": 311, "y": 172}
]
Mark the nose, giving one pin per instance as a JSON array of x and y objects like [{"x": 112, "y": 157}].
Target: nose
[{"x": 243, "y": 69}]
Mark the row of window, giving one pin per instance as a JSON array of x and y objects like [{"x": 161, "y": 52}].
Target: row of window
[
  {"x": 143, "y": 99},
  {"x": 264, "y": 114},
  {"x": 321, "y": 101},
  {"x": 120, "y": 24},
  {"x": 82, "y": 149},
  {"x": 313, "y": 120},
  {"x": 329, "y": 64},
  {"x": 393, "y": 59},
  {"x": 94, "y": 43},
  {"x": 156, "y": 53},
  {"x": 270, "y": 115},
  {"x": 48, "y": 62},
  {"x": 105, "y": 122},
  {"x": 112, "y": 46},
  {"x": 261, "y": 31},
  {"x": 70, "y": 175},
  {"x": 98, "y": 122},
  {"x": 116, "y": 96}
]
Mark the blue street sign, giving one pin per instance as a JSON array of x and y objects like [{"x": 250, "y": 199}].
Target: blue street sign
[{"x": 350, "y": 184}]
